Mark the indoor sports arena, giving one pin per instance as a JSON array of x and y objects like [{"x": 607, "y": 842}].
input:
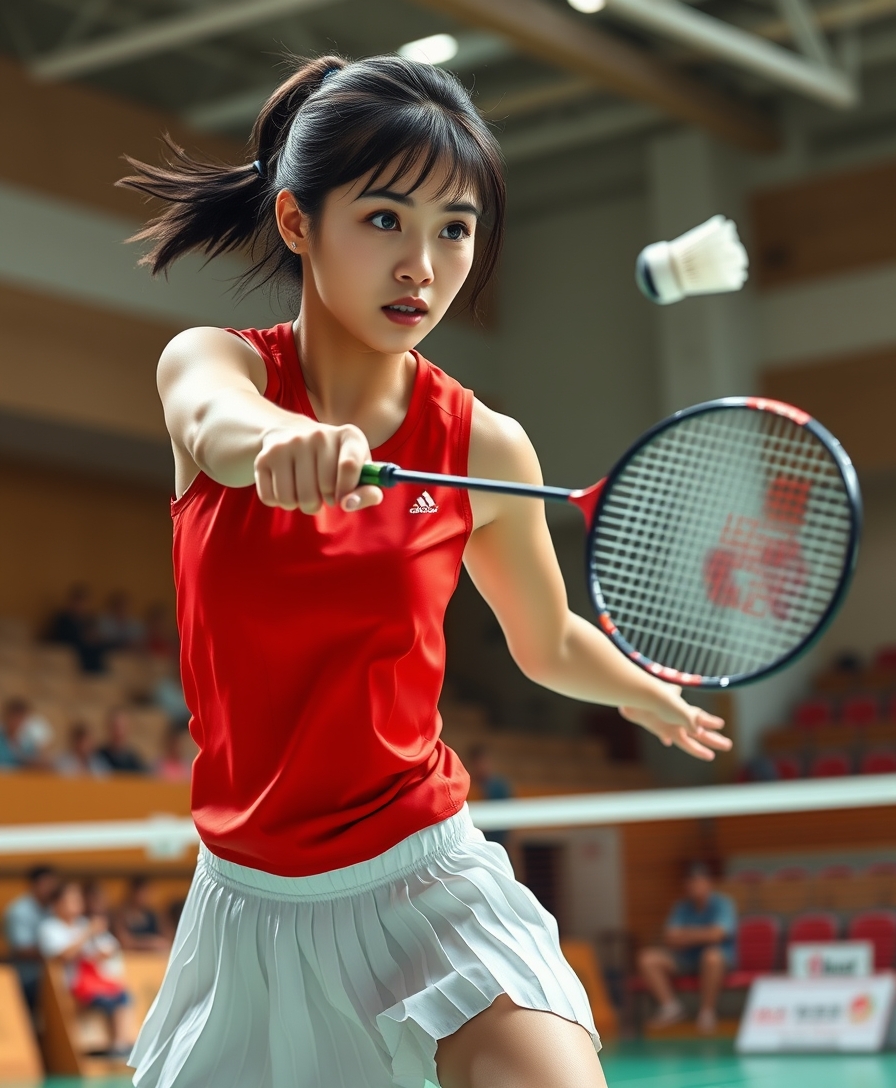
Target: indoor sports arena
[{"x": 336, "y": 749}]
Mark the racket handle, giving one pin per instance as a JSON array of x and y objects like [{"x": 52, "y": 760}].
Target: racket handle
[{"x": 379, "y": 474}]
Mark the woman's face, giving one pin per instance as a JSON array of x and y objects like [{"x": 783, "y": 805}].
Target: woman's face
[{"x": 386, "y": 264}]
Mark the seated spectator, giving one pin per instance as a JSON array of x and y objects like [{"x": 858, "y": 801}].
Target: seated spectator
[
  {"x": 172, "y": 765},
  {"x": 699, "y": 940},
  {"x": 75, "y": 625},
  {"x": 161, "y": 634},
  {"x": 21, "y": 920},
  {"x": 168, "y": 695},
  {"x": 136, "y": 925},
  {"x": 492, "y": 786},
  {"x": 24, "y": 735},
  {"x": 96, "y": 904},
  {"x": 88, "y": 952},
  {"x": 117, "y": 752},
  {"x": 117, "y": 626},
  {"x": 81, "y": 757}
]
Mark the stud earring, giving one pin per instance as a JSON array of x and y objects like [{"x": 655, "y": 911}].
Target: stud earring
[{"x": 293, "y": 245}]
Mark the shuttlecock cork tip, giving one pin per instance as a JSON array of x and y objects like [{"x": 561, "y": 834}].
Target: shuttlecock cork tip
[{"x": 709, "y": 259}]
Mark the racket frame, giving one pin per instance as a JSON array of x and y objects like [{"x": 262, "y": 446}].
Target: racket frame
[{"x": 851, "y": 485}]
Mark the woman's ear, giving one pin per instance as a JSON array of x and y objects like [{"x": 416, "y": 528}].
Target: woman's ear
[{"x": 292, "y": 222}]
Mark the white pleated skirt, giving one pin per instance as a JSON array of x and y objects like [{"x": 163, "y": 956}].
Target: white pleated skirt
[{"x": 348, "y": 979}]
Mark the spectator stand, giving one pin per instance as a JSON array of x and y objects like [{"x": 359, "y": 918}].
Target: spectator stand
[{"x": 846, "y": 725}]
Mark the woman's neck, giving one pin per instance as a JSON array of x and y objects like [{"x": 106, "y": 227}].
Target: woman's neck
[{"x": 349, "y": 382}]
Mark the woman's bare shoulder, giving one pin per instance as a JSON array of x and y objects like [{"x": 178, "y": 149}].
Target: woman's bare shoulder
[
  {"x": 500, "y": 447},
  {"x": 211, "y": 351}
]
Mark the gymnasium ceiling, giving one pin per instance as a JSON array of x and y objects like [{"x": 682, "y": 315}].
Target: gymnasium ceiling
[{"x": 558, "y": 83}]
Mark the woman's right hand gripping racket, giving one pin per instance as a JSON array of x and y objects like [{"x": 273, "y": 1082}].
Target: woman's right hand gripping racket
[{"x": 719, "y": 547}]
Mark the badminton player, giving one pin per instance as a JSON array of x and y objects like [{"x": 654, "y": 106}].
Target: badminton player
[{"x": 347, "y": 927}]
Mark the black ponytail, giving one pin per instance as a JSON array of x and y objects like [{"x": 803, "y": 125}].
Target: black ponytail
[{"x": 331, "y": 122}]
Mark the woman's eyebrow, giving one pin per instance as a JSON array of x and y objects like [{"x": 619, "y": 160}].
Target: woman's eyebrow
[{"x": 408, "y": 201}]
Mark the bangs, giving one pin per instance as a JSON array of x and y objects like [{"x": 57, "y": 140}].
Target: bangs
[{"x": 403, "y": 148}]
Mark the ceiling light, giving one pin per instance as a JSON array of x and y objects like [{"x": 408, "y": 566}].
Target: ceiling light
[
  {"x": 436, "y": 49},
  {"x": 588, "y": 6}
]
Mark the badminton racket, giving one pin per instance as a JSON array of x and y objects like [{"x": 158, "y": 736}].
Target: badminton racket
[{"x": 721, "y": 544}]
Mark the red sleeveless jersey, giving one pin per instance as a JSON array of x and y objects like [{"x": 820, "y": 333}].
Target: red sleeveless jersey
[{"x": 313, "y": 650}]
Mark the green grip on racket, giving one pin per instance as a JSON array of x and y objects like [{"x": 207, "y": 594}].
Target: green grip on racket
[{"x": 378, "y": 473}]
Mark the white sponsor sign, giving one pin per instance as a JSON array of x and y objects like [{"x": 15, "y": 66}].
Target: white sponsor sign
[
  {"x": 842, "y": 959},
  {"x": 822, "y": 1014}
]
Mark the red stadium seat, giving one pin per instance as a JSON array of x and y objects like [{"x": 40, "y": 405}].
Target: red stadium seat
[
  {"x": 814, "y": 713},
  {"x": 830, "y": 765},
  {"x": 885, "y": 659},
  {"x": 880, "y": 762},
  {"x": 817, "y": 926},
  {"x": 860, "y": 710},
  {"x": 788, "y": 767},
  {"x": 890, "y": 709},
  {"x": 879, "y": 927},
  {"x": 757, "y": 943}
]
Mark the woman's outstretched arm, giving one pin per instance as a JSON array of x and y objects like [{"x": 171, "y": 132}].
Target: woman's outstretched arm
[{"x": 212, "y": 388}]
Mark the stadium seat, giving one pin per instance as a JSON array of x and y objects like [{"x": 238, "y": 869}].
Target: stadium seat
[
  {"x": 830, "y": 765},
  {"x": 885, "y": 659},
  {"x": 20, "y": 1060},
  {"x": 758, "y": 938},
  {"x": 879, "y": 762},
  {"x": 815, "y": 926},
  {"x": 881, "y": 878},
  {"x": 787, "y": 891},
  {"x": 582, "y": 958},
  {"x": 788, "y": 767},
  {"x": 878, "y": 927},
  {"x": 813, "y": 713},
  {"x": 840, "y": 888},
  {"x": 859, "y": 710}
]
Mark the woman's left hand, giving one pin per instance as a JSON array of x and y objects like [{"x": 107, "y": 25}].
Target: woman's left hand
[{"x": 676, "y": 722}]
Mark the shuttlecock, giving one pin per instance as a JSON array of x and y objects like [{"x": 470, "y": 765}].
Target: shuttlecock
[{"x": 708, "y": 260}]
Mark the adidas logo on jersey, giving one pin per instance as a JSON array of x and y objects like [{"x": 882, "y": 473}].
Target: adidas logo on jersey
[{"x": 426, "y": 504}]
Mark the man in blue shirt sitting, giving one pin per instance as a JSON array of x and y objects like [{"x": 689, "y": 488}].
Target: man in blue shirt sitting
[{"x": 699, "y": 940}]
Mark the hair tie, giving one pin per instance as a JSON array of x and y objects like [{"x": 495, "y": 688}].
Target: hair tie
[
  {"x": 258, "y": 167},
  {"x": 327, "y": 74}
]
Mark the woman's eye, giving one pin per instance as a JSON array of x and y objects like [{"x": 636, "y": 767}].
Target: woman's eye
[
  {"x": 384, "y": 220},
  {"x": 456, "y": 231}
]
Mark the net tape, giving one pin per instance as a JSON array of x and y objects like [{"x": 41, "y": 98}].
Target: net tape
[{"x": 721, "y": 544}]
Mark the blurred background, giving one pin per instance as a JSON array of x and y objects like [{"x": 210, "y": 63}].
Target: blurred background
[{"x": 622, "y": 122}]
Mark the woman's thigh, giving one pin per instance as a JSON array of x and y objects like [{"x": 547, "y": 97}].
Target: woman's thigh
[{"x": 509, "y": 1047}]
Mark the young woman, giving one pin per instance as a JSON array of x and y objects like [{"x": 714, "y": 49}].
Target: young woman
[{"x": 347, "y": 927}]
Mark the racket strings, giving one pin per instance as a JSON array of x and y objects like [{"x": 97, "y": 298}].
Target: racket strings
[{"x": 721, "y": 544}]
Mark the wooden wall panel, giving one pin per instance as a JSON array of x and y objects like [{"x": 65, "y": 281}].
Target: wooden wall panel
[
  {"x": 59, "y": 528},
  {"x": 853, "y": 396},
  {"x": 67, "y": 140},
  {"x": 66, "y": 360},
  {"x": 824, "y": 225}
]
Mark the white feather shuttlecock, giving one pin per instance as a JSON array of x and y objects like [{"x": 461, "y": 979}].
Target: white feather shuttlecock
[{"x": 707, "y": 260}]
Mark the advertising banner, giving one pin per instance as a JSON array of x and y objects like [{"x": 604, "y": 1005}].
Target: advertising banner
[
  {"x": 842, "y": 959},
  {"x": 820, "y": 1014}
]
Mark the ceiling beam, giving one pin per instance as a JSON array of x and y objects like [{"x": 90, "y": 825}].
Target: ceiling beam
[
  {"x": 565, "y": 41},
  {"x": 596, "y": 126},
  {"x": 723, "y": 41},
  {"x": 162, "y": 35},
  {"x": 840, "y": 15},
  {"x": 803, "y": 22}
]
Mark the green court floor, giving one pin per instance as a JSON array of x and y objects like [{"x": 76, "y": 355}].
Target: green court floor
[{"x": 698, "y": 1065}]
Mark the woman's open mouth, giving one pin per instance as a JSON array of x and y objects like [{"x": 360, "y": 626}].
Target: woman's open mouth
[{"x": 408, "y": 311}]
